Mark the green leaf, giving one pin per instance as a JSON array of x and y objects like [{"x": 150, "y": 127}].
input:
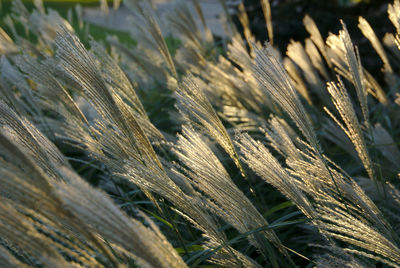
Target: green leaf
[
  {"x": 203, "y": 255},
  {"x": 278, "y": 207},
  {"x": 190, "y": 249},
  {"x": 159, "y": 218}
]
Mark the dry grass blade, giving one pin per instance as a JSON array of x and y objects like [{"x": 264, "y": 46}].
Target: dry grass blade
[
  {"x": 9, "y": 261},
  {"x": 283, "y": 138},
  {"x": 126, "y": 138},
  {"x": 207, "y": 174},
  {"x": 317, "y": 184},
  {"x": 242, "y": 119},
  {"x": 354, "y": 64},
  {"x": 17, "y": 227},
  {"x": 149, "y": 66},
  {"x": 357, "y": 221},
  {"x": 226, "y": 256},
  {"x": 266, "y": 8},
  {"x": 237, "y": 52},
  {"x": 244, "y": 21},
  {"x": 73, "y": 201},
  {"x": 116, "y": 77},
  {"x": 385, "y": 144},
  {"x": 334, "y": 133},
  {"x": 274, "y": 80},
  {"x": 183, "y": 23},
  {"x": 20, "y": 11},
  {"x": 198, "y": 111},
  {"x": 194, "y": 51},
  {"x": 46, "y": 26},
  {"x": 150, "y": 31},
  {"x": 338, "y": 56},
  {"x": 76, "y": 63},
  {"x": 296, "y": 52},
  {"x": 187, "y": 202},
  {"x": 375, "y": 89},
  {"x": 7, "y": 46},
  {"x": 32, "y": 192},
  {"x": 148, "y": 245},
  {"x": 297, "y": 79},
  {"x": 35, "y": 144},
  {"x": 51, "y": 91},
  {"x": 260, "y": 160},
  {"x": 233, "y": 86},
  {"x": 39, "y": 5},
  {"x": 208, "y": 34},
  {"x": 341, "y": 225},
  {"x": 119, "y": 82},
  {"x": 224, "y": 259},
  {"x": 369, "y": 33},
  {"x": 316, "y": 37},
  {"x": 11, "y": 78},
  {"x": 337, "y": 257},
  {"x": 10, "y": 98},
  {"x": 394, "y": 14},
  {"x": 144, "y": 169},
  {"x": 390, "y": 42},
  {"x": 229, "y": 25},
  {"x": 315, "y": 57},
  {"x": 352, "y": 127}
]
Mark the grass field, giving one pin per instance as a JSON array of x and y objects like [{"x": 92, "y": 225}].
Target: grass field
[{"x": 193, "y": 150}]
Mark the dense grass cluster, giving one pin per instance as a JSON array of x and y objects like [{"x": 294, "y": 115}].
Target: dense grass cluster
[{"x": 222, "y": 152}]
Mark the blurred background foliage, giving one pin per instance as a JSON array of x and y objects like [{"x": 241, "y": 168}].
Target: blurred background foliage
[{"x": 287, "y": 16}]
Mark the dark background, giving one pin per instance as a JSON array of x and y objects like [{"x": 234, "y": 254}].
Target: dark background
[{"x": 287, "y": 16}]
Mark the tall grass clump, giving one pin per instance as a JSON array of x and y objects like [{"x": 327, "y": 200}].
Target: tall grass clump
[{"x": 205, "y": 154}]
